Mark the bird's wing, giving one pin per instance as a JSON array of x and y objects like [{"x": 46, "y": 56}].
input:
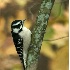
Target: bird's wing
[{"x": 18, "y": 42}]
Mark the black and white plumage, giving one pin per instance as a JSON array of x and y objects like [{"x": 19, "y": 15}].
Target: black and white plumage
[{"x": 21, "y": 38}]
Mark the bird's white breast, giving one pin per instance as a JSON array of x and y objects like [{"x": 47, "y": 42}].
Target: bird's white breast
[{"x": 26, "y": 35}]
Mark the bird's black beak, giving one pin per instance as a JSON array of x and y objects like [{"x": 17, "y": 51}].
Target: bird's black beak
[{"x": 24, "y": 20}]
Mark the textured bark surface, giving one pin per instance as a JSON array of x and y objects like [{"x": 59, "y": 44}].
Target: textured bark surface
[{"x": 38, "y": 34}]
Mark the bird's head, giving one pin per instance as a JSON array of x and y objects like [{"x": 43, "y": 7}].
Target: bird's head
[{"x": 17, "y": 26}]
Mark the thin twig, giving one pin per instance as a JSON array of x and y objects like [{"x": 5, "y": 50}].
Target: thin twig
[{"x": 56, "y": 38}]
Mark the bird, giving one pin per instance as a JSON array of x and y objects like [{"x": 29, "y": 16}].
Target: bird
[{"x": 21, "y": 37}]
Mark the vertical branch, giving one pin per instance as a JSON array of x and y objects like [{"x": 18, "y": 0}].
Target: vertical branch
[{"x": 38, "y": 34}]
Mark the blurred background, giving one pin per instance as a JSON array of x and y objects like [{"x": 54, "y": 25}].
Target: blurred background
[{"x": 54, "y": 51}]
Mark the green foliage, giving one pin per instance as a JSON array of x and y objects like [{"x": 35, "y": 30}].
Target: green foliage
[
  {"x": 57, "y": 10},
  {"x": 49, "y": 33}
]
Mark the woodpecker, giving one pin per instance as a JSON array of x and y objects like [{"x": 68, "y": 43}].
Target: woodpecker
[{"x": 21, "y": 38}]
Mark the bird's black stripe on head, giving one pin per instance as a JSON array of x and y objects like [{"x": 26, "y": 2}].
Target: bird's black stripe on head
[
  {"x": 20, "y": 30},
  {"x": 16, "y": 23},
  {"x": 17, "y": 26}
]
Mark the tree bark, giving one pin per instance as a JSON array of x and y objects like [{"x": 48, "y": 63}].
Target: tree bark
[{"x": 38, "y": 34}]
